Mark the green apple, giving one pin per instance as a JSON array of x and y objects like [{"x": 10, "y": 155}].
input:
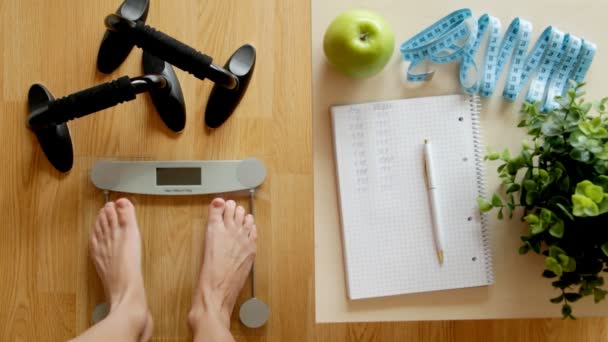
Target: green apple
[{"x": 359, "y": 43}]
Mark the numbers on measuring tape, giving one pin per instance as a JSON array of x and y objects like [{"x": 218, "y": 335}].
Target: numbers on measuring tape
[{"x": 554, "y": 58}]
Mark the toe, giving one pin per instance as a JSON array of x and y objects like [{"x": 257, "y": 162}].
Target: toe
[
  {"x": 93, "y": 243},
  {"x": 249, "y": 221},
  {"x": 216, "y": 210},
  {"x": 125, "y": 213},
  {"x": 112, "y": 216},
  {"x": 102, "y": 226},
  {"x": 148, "y": 328},
  {"x": 239, "y": 216},
  {"x": 98, "y": 234},
  {"x": 253, "y": 235},
  {"x": 248, "y": 224},
  {"x": 229, "y": 212}
]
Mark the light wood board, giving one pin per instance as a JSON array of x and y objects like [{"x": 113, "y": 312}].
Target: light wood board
[
  {"x": 519, "y": 291},
  {"x": 49, "y": 287}
]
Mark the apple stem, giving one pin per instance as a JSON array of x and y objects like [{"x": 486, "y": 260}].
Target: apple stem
[{"x": 363, "y": 36}]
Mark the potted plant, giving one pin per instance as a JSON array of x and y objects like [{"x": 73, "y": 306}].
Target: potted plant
[{"x": 559, "y": 180}]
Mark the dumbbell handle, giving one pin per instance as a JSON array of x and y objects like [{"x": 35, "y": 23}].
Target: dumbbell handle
[
  {"x": 171, "y": 50},
  {"x": 92, "y": 100}
]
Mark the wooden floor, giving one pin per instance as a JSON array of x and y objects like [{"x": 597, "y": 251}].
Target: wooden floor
[{"x": 49, "y": 287}]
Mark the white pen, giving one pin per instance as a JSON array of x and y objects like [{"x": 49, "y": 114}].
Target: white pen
[{"x": 435, "y": 209}]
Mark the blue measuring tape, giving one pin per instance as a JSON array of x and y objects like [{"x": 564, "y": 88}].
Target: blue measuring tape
[{"x": 554, "y": 59}]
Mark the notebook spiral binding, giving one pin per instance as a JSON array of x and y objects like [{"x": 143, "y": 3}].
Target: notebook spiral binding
[{"x": 475, "y": 106}]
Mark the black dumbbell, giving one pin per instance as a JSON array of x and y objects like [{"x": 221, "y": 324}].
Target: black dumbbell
[
  {"x": 48, "y": 117},
  {"x": 126, "y": 28}
]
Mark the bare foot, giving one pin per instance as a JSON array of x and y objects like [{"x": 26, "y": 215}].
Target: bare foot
[
  {"x": 230, "y": 246},
  {"x": 146, "y": 334},
  {"x": 116, "y": 253}
]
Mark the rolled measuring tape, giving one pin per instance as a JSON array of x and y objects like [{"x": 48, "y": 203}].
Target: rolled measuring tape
[{"x": 554, "y": 58}]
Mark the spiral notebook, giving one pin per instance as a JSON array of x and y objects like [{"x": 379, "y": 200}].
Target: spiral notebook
[{"x": 384, "y": 202}]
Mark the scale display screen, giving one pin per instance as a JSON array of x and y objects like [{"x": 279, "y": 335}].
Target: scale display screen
[{"x": 166, "y": 176}]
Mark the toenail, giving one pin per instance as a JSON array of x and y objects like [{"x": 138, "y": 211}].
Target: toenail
[
  {"x": 121, "y": 203},
  {"x": 217, "y": 204},
  {"x": 231, "y": 203}
]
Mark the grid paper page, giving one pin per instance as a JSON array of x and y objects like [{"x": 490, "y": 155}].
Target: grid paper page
[{"x": 385, "y": 207}]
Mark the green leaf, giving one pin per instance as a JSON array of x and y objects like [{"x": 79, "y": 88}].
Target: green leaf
[
  {"x": 570, "y": 266},
  {"x": 496, "y": 201},
  {"x": 531, "y": 197},
  {"x": 531, "y": 218},
  {"x": 492, "y": 156},
  {"x": 583, "y": 206},
  {"x": 506, "y": 155},
  {"x": 552, "y": 265},
  {"x": 600, "y": 133},
  {"x": 563, "y": 102},
  {"x": 565, "y": 211},
  {"x": 500, "y": 215},
  {"x": 556, "y": 173},
  {"x": 605, "y": 248},
  {"x": 595, "y": 193},
  {"x": 573, "y": 297},
  {"x": 586, "y": 127},
  {"x": 543, "y": 175},
  {"x": 586, "y": 291},
  {"x": 603, "y": 182},
  {"x": 514, "y": 164},
  {"x": 603, "y": 205},
  {"x": 551, "y": 128},
  {"x": 586, "y": 107},
  {"x": 590, "y": 190},
  {"x": 580, "y": 155},
  {"x": 537, "y": 228},
  {"x": 507, "y": 179},
  {"x": 577, "y": 139},
  {"x": 484, "y": 206},
  {"x": 548, "y": 274},
  {"x": 535, "y": 245},
  {"x": 527, "y": 157},
  {"x": 563, "y": 259},
  {"x": 599, "y": 294},
  {"x": 595, "y": 281},
  {"x": 566, "y": 311},
  {"x": 593, "y": 128},
  {"x": 557, "y": 299},
  {"x": 557, "y": 229},
  {"x": 529, "y": 185},
  {"x": 595, "y": 146},
  {"x": 603, "y": 155},
  {"x": 514, "y": 187},
  {"x": 546, "y": 215},
  {"x": 560, "y": 284},
  {"x": 601, "y": 167},
  {"x": 554, "y": 251},
  {"x": 523, "y": 249},
  {"x": 601, "y": 107}
]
